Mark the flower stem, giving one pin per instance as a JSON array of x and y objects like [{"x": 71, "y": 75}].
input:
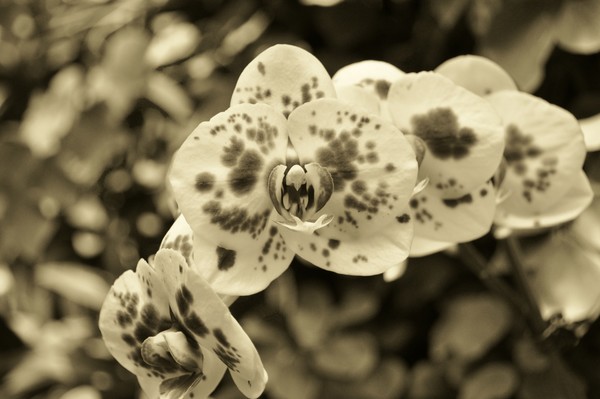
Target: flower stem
[
  {"x": 473, "y": 259},
  {"x": 515, "y": 256}
]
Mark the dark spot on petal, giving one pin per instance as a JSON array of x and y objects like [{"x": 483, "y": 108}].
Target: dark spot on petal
[
  {"x": 226, "y": 258},
  {"x": 220, "y": 336},
  {"x": 453, "y": 203},
  {"x": 244, "y": 176},
  {"x": 204, "y": 182},
  {"x": 333, "y": 244},
  {"x": 195, "y": 324},
  {"x": 382, "y": 88},
  {"x": 445, "y": 139},
  {"x": 404, "y": 218},
  {"x": 261, "y": 68}
]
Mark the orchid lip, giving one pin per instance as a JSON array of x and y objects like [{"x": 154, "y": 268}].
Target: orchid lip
[{"x": 298, "y": 193}]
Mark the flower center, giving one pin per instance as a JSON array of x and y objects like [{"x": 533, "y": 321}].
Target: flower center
[{"x": 298, "y": 193}]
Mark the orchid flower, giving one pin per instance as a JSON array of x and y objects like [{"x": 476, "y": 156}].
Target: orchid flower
[
  {"x": 544, "y": 183},
  {"x": 457, "y": 138},
  {"x": 165, "y": 324},
  {"x": 289, "y": 169}
]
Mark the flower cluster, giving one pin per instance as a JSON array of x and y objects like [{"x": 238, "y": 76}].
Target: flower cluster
[{"x": 353, "y": 174}]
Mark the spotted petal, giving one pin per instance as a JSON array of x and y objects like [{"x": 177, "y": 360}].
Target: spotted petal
[
  {"x": 568, "y": 207},
  {"x": 423, "y": 246},
  {"x": 372, "y": 165},
  {"x": 363, "y": 255},
  {"x": 454, "y": 220},
  {"x": 461, "y": 130},
  {"x": 207, "y": 319},
  {"x": 544, "y": 150},
  {"x": 219, "y": 175},
  {"x": 476, "y": 74},
  {"x": 284, "y": 77},
  {"x": 230, "y": 273},
  {"x": 135, "y": 309},
  {"x": 375, "y": 77}
]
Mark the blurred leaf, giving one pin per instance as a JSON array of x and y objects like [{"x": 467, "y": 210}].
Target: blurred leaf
[
  {"x": 88, "y": 213},
  {"x": 288, "y": 376},
  {"x": 170, "y": 96},
  {"x": 171, "y": 43},
  {"x": 556, "y": 382},
  {"x": 358, "y": 303},
  {"x": 492, "y": 381},
  {"x": 82, "y": 392},
  {"x": 122, "y": 76},
  {"x": 528, "y": 357},
  {"x": 50, "y": 115},
  {"x": 347, "y": 356},
  {"x": 427, "y": 382},
  {"x": 282, "y": 294},
  {"x": 578, "y": 29},
  {"x": 470, "y": 325},
  {"x": 447, "y": 12},
  {"x": 314, "y": 310},
  {"x": 91, "y": 146},
  {"x": 86, "y": 244},
  {"x": 521, "y": 38},
  {"x": 388, "y": 381},
  {"x": 149, "y": 173},
  {"x": 24, "y": 231},
  {"x": 76, "y": 282}
]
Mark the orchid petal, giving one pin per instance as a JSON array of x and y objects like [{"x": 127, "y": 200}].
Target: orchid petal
[
  {"x": 578, "y": 26},
  {"x": 205, "y": 318},
  {"x": 244, "y": 271},
  {"x": 423, "y": 246},
  {"x": 461, "y": 130},
  {"x": 591, "y": 132},
  {"x": 477, "y": 74},
  {"x": 577, "y": 297},
  {"x": 284, "y": 77},
  {"x": 219, "y": 175},
  {"x": 135, "y": 309},
  {"x": 362, "y": 255},
  {"x": 198, "y": 384},
  {"x": 372, "y": 165},
  {"x": 376, "y": 77},
  {"x": 544, "y": 150},
  {"x": 568, "y": 207},
  {"x": 454, "y": 220},
  {"x": 359, "y": 97}
]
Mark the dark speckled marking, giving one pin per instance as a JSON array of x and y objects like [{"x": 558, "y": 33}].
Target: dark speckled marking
[
  {"x": 261, "y": 68},
  {"x": 440, "y": 130},
  {"x": 244, "y": 176},
  {"x": 226, "y": 258},
  {"x": 204, "y": 182},
  {"x": 453, "y": 203},
  {"x": 232, "y": 152},
  {"x": 404, "y": 218},
  {"x": 220, "y": 336},
  {"x": 195, "y": 324},
  {"x": 184, "y": 299},
  {"x": 382, "y": 88},
  {"x": 333, "y": 244}
]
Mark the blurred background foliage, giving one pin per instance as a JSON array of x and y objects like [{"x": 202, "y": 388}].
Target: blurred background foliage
[{"x": 95, "y": 96}]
